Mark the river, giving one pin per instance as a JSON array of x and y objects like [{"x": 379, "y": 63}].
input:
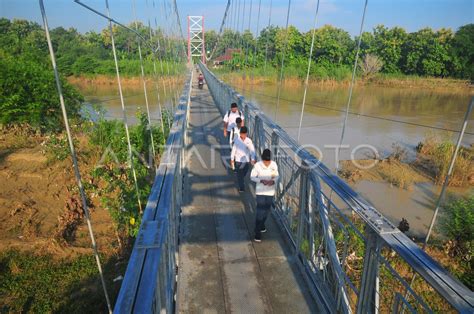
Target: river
[{"x": 107, "y": 97}]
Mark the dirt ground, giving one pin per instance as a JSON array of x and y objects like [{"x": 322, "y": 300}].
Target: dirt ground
[{"x": 35, "y": 192}]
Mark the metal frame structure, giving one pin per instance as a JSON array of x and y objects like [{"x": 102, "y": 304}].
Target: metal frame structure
[
  {"x": 352, "y": 257},
  {"x": 196, "y": 41}
]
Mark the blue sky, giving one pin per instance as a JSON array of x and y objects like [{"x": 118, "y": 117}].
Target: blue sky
[{"x": 409, "y": 14}]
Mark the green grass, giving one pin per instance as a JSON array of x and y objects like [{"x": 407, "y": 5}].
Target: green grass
[{"x": 41, "y": 284}]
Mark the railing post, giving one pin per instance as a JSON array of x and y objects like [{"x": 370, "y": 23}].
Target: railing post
[
  {"x": 261, "y": 133},
  {"x": 368, "y": 298},
  {"x": 258, "y": 134},
  {"x": 274, "y": 148},
  {"x": 311, "y": 220},
  {"x": 303, "y": 203},
  {"x": 255, "y": 134},
  {"x": 240, "y": 103}
]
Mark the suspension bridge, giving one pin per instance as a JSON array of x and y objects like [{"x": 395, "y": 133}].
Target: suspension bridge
[{"x": 194, "y": 250}]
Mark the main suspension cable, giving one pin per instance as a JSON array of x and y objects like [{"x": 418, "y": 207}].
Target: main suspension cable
[
  {"x": 221, "y": 29},
  {"x": 144, "y": 82},
  {"x": 247, "y": 44},
  {"x": 351, "y": 88},
  {"x": 122, "y": 102},
  {"x": 74, "y": 156},
  {"x": 282, "y": 61},
  {"x": 267, "y": 42},
  {"x": 155, "y": 79},
  {"x": 307, "y": 72},
  {"x": 256, "y": 43}
]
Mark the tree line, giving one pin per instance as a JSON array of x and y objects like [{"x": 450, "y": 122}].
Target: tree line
[
  {"x": 91, "y": 53},
  {"x": 426, "y": 52}
]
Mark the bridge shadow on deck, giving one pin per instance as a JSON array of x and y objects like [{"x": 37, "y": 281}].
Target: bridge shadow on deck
[{"x": 220, "y": 268}]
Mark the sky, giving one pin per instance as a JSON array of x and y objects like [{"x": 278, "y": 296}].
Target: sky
[{"x": 346, "y": 14}]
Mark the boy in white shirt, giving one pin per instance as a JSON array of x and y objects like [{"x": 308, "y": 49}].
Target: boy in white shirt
[
  {"x": 235, "y": 132},
  {"x": 243, "y": 154},
  {"x": 230, "y": 117},
  {"x": 265, "y": 175}
]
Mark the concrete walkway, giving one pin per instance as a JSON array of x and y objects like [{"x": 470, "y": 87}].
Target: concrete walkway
[{"x": 221, "y": 270}]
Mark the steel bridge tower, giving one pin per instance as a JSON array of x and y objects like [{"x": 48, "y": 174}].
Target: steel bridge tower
[{"x": 196, "y": 43}]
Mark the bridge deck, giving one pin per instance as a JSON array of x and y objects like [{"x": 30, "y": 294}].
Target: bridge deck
[{"x": 220, "y": 268}]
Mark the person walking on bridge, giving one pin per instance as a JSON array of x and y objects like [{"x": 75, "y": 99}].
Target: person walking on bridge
[
  {"x": 242, "y": 154},
  {"x": 230, "y": 119},
  {"x": 235, "y": 132},
  {"x": 265, "y": 175}
]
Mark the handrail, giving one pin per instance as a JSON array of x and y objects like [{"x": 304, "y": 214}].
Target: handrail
[
  {"x": 310, "y": 218},
  {"x": 149, "y": 282}
]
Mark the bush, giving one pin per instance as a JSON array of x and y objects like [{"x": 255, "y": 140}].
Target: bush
[
  {"x": 439, "y": 152},
  {"x": 118, "y": 192},
  {"x": 457, "y": 224},
  {"x": 28, "y": 94}
]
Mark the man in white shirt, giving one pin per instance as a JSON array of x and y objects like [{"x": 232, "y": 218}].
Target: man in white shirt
[
  {"x": 264, "y": 174},
  {"x": 230, "y": 117},
  {"x": 235, "y": 132},
  {"x": 243, "y": 153}
]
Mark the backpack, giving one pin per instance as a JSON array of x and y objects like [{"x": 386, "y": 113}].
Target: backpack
[{"x": 240, "y": 114}]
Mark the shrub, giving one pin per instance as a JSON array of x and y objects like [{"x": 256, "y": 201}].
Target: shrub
[
  {"x": 118, "y": 192},
  {"x": 439, "y": 152},
  {"x": 28, "y": 94},
  {"x": 457, "y": 224}
]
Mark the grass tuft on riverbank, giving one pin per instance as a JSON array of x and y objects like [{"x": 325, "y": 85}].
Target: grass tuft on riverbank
[
  {"x": 341, "y": 76},
  {"x": 434, "y": 157}
]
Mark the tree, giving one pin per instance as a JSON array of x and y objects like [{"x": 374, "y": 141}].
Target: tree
[
  {"x": 332, "y": 45},
  {"x": 463, "y": 49},
  {"x": 28, "y": 94},
  {"x": 387, "y": 45},
  {"x": 427, "y": 53},
  {"x": 210, "y": 38},
  {"x": 266, "y": 42},
  {"x": 289, "y": 42}
]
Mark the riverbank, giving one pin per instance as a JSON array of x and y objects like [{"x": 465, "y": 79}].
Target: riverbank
[
  {"x": 46, "y": 258},
  {"x": 431, "y": 164},
  {"x": 133, "y": 81},
  {"x": 396, "y": 81}
]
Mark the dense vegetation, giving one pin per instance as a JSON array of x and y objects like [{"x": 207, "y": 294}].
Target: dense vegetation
[
  {"x": 441, "y": 53},
  {"x": 91, "y": 53},
  {"x": 27, "y": 87}
]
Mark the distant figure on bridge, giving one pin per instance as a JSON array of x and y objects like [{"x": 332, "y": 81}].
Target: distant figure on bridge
[
  {"x": 243, "y": 154},
  {"x": 264, "y": 174},
  {"x": 229, "y": 119},
  {"x": 200, "y": 81},
  {"x": 235, "y": 132}
]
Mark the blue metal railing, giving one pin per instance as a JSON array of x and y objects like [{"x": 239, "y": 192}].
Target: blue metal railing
[{"x": 149, "y": 283}]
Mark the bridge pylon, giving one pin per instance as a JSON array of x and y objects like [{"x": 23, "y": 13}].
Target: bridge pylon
[{"x": 196, "y": 42}]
